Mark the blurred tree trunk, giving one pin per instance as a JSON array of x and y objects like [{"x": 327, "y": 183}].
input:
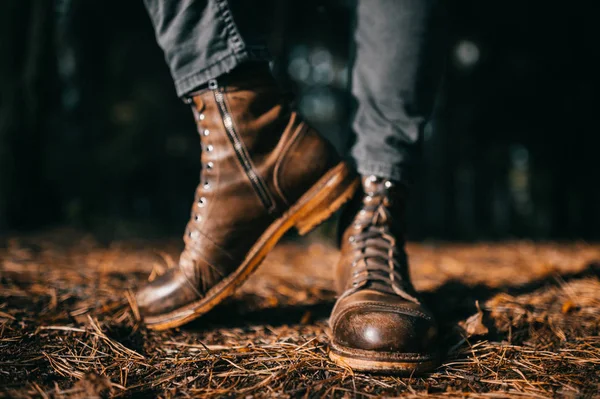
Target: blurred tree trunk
[{"x": 26, "y": 62}]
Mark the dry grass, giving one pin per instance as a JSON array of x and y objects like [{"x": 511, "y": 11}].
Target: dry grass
[{"x": 67, "y": 328}]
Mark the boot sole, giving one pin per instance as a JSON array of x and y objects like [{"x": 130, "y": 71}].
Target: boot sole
[
  {"x": 377, "y": 362},
  {"x": 323, "y": 199}
]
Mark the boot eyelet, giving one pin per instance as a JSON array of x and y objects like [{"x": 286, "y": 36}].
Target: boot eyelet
[
  {"x": 197, "y": 218},
  {"x": 193, "y": 234},
  {"x": 355, "y": 284},
  {"x": 205, "y": 132},
  {"x": 368, "y": 198},
  {"x": 201, "y": 117},
  {"x": 201, "y": 202},
  {"x": 352, "y": 239},
  {"x": 209, "y": 165},
  {"x": 388, "y": 184},
  {"x": 357, "y": 225},
  {"x": 206, "y": 185},
  {"x": 209, "y": 148}
]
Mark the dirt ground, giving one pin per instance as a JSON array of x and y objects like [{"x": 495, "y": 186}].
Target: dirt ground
[{"x": 518, "y": 319}]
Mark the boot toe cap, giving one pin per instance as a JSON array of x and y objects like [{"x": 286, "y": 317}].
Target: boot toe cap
[
  {"x": 384, "y": 331},
  {"x": 164, "y": 294}
]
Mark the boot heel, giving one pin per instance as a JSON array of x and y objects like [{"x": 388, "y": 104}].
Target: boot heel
[{"x": 332, "y": 191}]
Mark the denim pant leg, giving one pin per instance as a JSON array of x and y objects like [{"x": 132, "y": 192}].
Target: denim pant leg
[
  {"x": 203, "y": 39},
  {"x": 394, "y": 79}
]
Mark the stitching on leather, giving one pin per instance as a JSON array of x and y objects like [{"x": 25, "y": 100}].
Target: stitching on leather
[
  {"x": 393, "y": 355},
  {"x": 380, "y": 306},
  {"x": 392, "y": 307},
  {"x": 216, "y": 246},
  {"x": 273, "y": 209},
  {"x": 189, "y": 283},
  {"x": 286, "y": 140},
  {"x": 283, "y": 159}
]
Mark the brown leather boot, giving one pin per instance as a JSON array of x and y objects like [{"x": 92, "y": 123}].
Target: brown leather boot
[
  {"x": 264, "y": 171},
  {"x": 378, "y": 322}
]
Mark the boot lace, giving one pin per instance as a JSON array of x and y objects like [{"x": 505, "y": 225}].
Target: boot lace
[{"x": 380, "y": 258}]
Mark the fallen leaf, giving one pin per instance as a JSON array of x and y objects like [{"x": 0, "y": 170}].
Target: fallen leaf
[{"x": 474, "y": 324}]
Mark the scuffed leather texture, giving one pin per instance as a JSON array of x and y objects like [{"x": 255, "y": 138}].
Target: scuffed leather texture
[
  {"x": 378, "y": 309},
  {"x": 370, "y": 320},
  {"x": 165, "y": 293},
  {"x": 304, "y": 148},
  {"x": 228, "y": 215}
]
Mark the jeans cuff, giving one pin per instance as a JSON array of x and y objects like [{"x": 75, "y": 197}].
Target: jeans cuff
[
  {"x": 384, "y": 170},
  {"x": 189, "y": 83}
]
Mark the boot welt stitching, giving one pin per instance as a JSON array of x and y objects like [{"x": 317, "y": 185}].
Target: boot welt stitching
[{"x": 384, "y": 355}]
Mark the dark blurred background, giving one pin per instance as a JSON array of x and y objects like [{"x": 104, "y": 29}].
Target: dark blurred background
[{"x": 92, "y": 134}]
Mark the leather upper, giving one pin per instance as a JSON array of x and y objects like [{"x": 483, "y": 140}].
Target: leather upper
[
  {"x": 258, "y": 157},
  {"x": 375, "y": 321}
]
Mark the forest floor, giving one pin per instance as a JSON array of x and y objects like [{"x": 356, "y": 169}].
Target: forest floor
[{"x": 518, "y": 319}]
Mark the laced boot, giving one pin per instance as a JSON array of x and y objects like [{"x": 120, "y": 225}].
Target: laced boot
[
  {"x": 264, "y": 171},
  {"x": 378, "y": 322}
]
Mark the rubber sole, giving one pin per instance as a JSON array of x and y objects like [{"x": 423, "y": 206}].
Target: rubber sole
[
  {"x": 391, "y": 366},
  {"x": 324, "y": 198}
]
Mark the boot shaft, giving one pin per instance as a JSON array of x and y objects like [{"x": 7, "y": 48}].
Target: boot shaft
[{"x": 247, "y": 123}]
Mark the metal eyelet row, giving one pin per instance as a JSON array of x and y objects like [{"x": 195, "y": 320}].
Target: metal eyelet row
[
  {"x": 208, "y": 165},
  {"x": 202, "y": 201}
]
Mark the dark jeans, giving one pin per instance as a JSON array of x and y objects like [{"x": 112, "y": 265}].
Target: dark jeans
[{"x": 396, "y": 65}]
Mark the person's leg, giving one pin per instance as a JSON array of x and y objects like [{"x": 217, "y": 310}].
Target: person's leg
[
  {"x": 396, "y": 71},
  {"x": 378, "y": 322},
  {"x": 264, "y": 170},
  {"x": 205, "y": 39}
]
